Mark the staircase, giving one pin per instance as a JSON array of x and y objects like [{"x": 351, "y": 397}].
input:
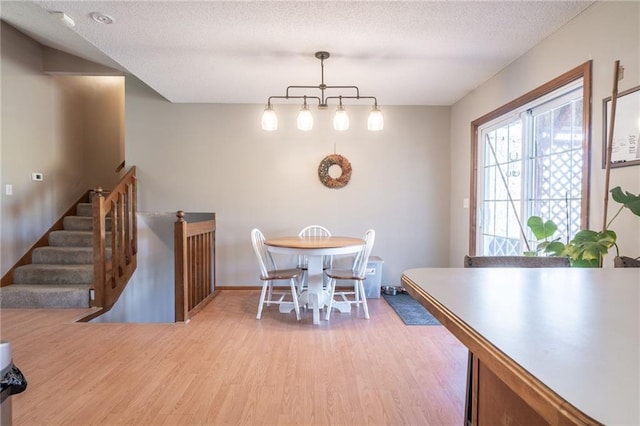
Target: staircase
[{"x": 61, "y": 274}]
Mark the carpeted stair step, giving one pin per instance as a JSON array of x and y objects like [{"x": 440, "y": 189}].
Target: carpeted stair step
[
  {"x": 74, "y": 238},
  {"x": 34, "y": 296},
  {"x": 61, "y": 274},
  {"x": 65, "y": 255},
  {"x": 82, "y": 223},
  {"x": 53, "y": 274},
  {"x": 84, "y": 209}
]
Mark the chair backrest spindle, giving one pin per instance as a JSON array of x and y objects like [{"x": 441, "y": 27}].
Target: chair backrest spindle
[
  {"x": 265, "y": 260},
  {"x": 314, "y": 231},
  {"x": 362, "y": 258}
]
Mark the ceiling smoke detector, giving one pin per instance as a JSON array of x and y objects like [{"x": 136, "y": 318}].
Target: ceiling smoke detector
[{"x": 101, "y": 18}]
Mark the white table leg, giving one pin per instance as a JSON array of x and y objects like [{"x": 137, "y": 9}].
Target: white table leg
[{"x": 316, "y": 297}]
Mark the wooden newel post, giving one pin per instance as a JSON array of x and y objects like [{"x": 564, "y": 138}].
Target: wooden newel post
[
  {"x": 99, "y": 247},
  {"x": 97, "y": 193},
  {"x": 181, "y": 278}
]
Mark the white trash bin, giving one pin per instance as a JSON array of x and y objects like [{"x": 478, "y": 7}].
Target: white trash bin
[{"x": 373, "y": 282}]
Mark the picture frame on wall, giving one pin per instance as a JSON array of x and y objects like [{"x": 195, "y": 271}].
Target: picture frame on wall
[{"x": 626, "y": 130}]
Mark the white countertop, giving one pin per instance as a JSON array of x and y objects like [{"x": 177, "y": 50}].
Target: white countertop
[{"x": 577, "y": 330}]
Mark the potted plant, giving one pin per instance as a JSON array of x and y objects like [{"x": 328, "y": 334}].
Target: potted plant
[{"x": 588, "y": 247}]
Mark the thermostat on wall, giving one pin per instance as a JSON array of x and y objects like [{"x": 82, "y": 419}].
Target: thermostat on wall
[{"x": 37, "y": 176}]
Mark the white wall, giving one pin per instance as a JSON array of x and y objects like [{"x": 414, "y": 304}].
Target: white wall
[
  {"x": 605, "y": 32},
  {"x": 205, "y": 157},
  {"x": 150, "y": 294}
]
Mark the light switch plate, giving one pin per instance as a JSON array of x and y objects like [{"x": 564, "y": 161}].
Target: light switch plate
[
  {"x": 8, "y": 189},
  {"x": 37, "y": 176}
]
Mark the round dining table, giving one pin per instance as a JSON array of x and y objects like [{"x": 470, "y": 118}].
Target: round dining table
[{"x": 315, "y": 248}]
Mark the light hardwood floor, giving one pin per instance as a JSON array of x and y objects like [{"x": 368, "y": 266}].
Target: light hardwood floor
[{"x": 226, "y": 367}]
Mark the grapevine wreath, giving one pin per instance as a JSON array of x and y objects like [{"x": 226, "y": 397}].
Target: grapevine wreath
[{"x": 334, "y": 160}]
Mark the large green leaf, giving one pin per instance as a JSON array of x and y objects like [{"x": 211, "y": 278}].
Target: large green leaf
[
  {"x": 629, "y": 200},
  {"x": 541, "y": 230},
  {"x": 588, "y": 246},
  {"x": 555, "y": 248}
]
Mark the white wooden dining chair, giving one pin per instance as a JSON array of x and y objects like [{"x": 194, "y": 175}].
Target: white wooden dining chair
[
  {"x": 303, "y": 261},
  {"x": 357, "y": 274},
  {"x": 269, "y": 273}
]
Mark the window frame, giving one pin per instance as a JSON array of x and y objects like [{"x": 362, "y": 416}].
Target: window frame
[{"x": 582, "y": 71}]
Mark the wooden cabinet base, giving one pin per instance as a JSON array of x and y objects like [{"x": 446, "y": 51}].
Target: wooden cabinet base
[
  {"x": 500, "y": 391},
  {"x": 497, "y": 404}
]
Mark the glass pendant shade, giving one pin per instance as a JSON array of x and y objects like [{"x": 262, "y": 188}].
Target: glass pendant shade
[
  {"x": 305, "y": 119},
  {"x": 269, "y": 119},
  {"x": 341, "y": 119},
  {"x": 375, "y": 121}
]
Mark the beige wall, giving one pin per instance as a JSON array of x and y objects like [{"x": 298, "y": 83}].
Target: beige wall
[
  {"x": 68, "y": 128},
  {"x": 605, "y": 32},
  {"x": 203, "y": 157},
  {"x": 103, "y": 128}
]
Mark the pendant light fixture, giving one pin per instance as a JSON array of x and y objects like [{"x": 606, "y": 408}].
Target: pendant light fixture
[
  {"x": 305, "y": 118},
  {"x": 375, "y": 121},
  {"x": 341, "y": 119},
  {"x": 269, "y": 119}
]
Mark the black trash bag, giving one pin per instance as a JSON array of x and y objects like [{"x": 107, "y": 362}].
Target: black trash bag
[{"x": 13, "y": 381}]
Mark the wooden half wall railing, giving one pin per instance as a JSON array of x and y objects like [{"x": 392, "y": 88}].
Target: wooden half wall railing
[
  {"x": 111, "y": 273},
  {"x": 195, "y": 249}
]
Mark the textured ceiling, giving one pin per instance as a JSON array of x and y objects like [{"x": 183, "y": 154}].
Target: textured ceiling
[{"x": 404, "y": 53}]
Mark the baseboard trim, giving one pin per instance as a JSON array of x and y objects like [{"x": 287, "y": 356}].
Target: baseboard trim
[{"x": 235, "y": 287}]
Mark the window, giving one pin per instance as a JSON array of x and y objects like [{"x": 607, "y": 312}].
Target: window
[{"x": 531, "y": 158}]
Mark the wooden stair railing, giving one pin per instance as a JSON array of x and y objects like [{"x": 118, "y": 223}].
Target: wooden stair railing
[
  {"x": 112, "y": 274},
  {"x": 195, "y": 248}
]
